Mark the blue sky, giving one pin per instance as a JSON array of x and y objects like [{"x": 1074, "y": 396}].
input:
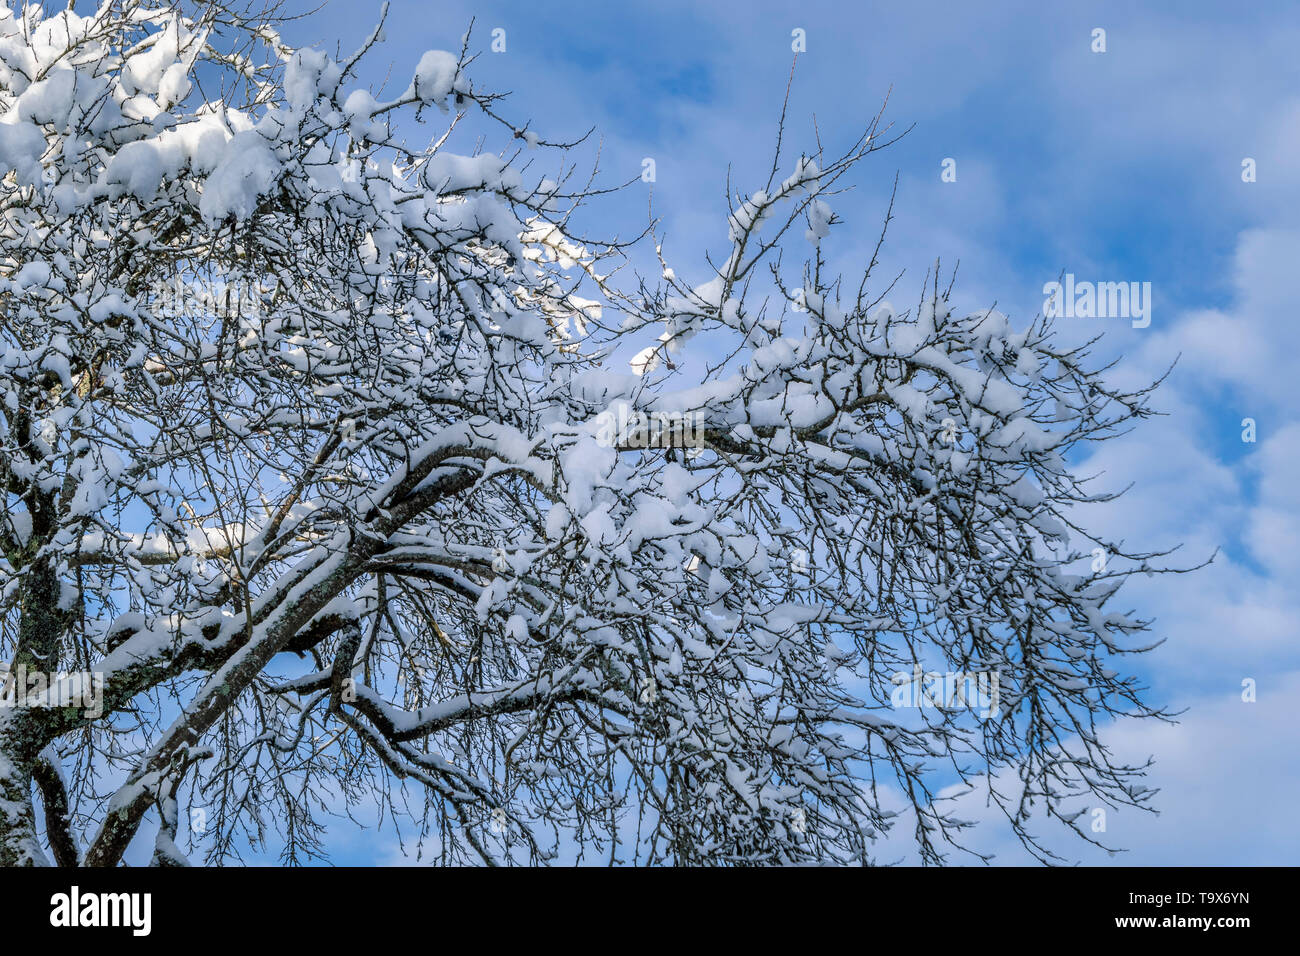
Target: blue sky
[{"x": 1117, "y": 166}]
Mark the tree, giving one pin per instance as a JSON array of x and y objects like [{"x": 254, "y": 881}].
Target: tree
[{"x": 324, "y": 475}]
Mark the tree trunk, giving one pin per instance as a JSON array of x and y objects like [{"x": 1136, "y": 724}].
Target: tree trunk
[{"x": 19, "y": 845}]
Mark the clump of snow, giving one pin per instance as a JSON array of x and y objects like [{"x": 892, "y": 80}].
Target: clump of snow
[
  {"x": 246, "y": 171},
  {"x": 435, "y": 78},
  {"x": 645, "y": 361},
  {"x": 819, "y": 221}
]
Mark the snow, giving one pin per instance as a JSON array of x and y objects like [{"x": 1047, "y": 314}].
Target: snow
[
  {"x": 645, "y": 361},
  {"x": 436, "y": 342},
  {"x": 435, "y": 78},
  {"x": 243, "y": 175},
  {"x": 819, "y": 221},
  {"x": 21, "y": 146}
]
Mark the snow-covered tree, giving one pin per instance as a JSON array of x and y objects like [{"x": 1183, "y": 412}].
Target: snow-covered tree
[{"x": 328, "y": 479}]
